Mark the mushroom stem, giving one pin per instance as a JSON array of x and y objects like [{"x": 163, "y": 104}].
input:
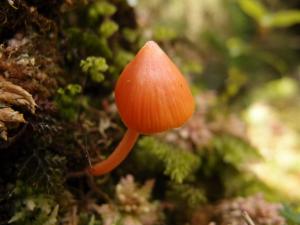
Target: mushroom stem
[{"x": 120, "y": 153}]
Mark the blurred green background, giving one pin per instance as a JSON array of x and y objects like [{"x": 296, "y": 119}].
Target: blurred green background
[{"x": 247, "y": 53}]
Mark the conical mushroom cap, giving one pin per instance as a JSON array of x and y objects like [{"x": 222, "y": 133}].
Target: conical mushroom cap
[{"x": 151, "y": 93}]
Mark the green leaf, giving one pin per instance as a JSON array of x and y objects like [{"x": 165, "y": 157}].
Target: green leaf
[
  {"x": 257, "y": 11},
  {"x": 108, "y": 28},
  {"x": 253, "y": 8},
  {"x": 285, "y": 18}
]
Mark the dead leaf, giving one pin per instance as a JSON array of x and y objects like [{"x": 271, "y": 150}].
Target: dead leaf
[
  {"x": 8, "y": 115},
  {"x": 3, "y": 131},
  {"x": 12, "y": 94}
]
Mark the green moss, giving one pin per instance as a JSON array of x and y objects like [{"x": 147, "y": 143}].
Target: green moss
[
  {"x": 33, "y": 207},
  {"x": 108, "y": 28},
  {"x": 234, "y": 151},
  {"x": 186, "y": 195},
  {"x": 101, "y": 8},
  {"x": 178, "y": 164},
  {"x": 67, "y": 101},
  {"x": 94, "y": 66}
]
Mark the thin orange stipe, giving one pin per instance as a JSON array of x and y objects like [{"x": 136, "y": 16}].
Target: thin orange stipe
[{"x": 152, "y": 96}]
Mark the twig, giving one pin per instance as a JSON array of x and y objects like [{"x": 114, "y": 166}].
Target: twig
[
  {"x": 11, "y": 140},
  {"x": 96, "y": 190},
  {"x": 247, "y": 218},
  {"x": 25, "y": 164},
  {"x": 77, "y": 174},
  {"x": 86, "y": 151}
]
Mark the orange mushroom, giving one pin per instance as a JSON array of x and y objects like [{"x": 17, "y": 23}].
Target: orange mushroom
[{"x": 152, "y": 96}]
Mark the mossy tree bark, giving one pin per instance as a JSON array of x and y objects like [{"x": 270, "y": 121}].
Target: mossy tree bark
[{"x": 51, "y": 113}]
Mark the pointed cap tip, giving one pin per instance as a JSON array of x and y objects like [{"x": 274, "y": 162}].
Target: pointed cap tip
[
  {"x": 151, "y": 43},
  {"x": 150, "y": 48}
]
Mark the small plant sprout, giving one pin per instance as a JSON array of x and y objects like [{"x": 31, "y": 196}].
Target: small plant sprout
[{"x": 152, "y": 96}]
